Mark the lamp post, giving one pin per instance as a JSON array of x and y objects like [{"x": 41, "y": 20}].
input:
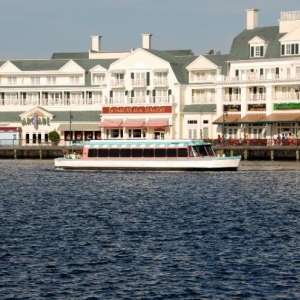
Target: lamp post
[
  {"x": 71, "y": 126},
  {"x": 225, "y": 115}
]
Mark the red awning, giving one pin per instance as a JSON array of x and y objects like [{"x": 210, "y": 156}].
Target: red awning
[
  {"x": 133, "y": 123},
  {"x": 111, "y": 123},
  {"x": 153, "y": 123}
]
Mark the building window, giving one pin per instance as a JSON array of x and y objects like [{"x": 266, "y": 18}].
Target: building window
[
  {"x": 11, "y": 80},
  {"x": 98, "y": 79},
  {"x": 192, "y": 122},
  {"x": 74, "y": 80},
  {"x": 289, "y": 49},
  {"x": 257, "y": 51},
  {"x": 35, "y": 80},
  {"x": 51, "y": 80}
]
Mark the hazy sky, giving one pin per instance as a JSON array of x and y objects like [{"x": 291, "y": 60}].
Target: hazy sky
[{"x": 34, "y": 29}]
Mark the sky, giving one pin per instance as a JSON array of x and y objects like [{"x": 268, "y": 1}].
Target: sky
[{"x": 35, "y": 29}]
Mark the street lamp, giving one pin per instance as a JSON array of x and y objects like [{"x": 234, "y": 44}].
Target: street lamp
[
  {"x": 225, "y": 115},
  {"x": 71, "y": 125}
]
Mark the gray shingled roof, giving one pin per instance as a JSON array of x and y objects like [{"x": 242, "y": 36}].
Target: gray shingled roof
[
  {"x": 78, "y": 55},
  {"x": 219, "y": 60},
  {"x": 177, "y": 63},
  {"x": 59, "y": 116},
  {"x": 78, "y": 116},
  {"x": 56, "y": 64},
  {"x": 198, "y": 108},
  {"x": 240, "y": 49}
]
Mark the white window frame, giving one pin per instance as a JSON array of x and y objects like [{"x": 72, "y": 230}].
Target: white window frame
[
  {"x": 74, "y": 79},
  {"x": 257, "y": 50}
]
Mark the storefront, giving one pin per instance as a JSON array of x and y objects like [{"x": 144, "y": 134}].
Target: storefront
[{"x": 136, "y": 122}]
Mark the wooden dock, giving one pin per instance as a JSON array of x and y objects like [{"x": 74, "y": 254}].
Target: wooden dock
[{"x": 247, "y": 152}]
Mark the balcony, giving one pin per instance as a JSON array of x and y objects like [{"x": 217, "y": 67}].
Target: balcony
[
  {"x": 115, "y": 101},
  {"x": 232, "y": 99},
  {"x": 203, "y": 78},
  {"x": 160, "y": 82},
  {"x": 136, "y": 100},
  {"x": 117, "y": 83},
  {"x": 287, "y": 97},
  {"x": 257, "y": 98},
  {"x": 161, "y": 99},
  {"x": 203, "y": 99},
  {"x": 139, "y": 82}
]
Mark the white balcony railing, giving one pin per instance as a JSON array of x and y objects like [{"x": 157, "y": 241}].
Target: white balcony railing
[
  {"x": 287, "y": 97},
  {"x": 257, "y": 97},
  {"x": 203, "y": 99},
  {"x": 160, "y": 99},
  {"x": 139, "y": 82},
  {"x": 159, "y": 82},
  {"x": 135, "y": 100},
  {"x": 232, "y": 98},
  {"x": 117, "y": 83}
]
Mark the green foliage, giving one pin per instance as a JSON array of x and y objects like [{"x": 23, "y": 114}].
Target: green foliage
[{"x": 53, "y": 136}]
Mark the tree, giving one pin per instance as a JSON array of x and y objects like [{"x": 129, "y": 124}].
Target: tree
[{"x": 54, "y": 136}]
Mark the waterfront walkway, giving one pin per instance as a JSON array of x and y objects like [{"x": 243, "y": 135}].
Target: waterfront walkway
[{"x": 252, "y": 149}]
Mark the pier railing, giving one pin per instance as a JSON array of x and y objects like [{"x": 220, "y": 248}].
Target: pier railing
[{"x": 215, "y": 142}]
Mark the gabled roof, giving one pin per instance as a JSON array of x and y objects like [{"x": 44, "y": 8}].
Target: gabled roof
[
  {"x": 39, "y": 65},
  {"x": 240, "y": 47},
  {"x": 78, "y": 55},
  {"x": 58, "y": 116},
  {"x": 219, "y": 60},
  {"x": 177, "y": 63}
]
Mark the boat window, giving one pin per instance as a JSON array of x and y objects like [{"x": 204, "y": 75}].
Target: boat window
[
  {"x": 92, "y": 153},
  {"x": 114, "y": 152},
  {"x": 171, "y": 152},
  {"x": 102, "y": 152},
  {"x": 137, "y": 152},
  {"x": 160, "y": 152},
  {"x": 125, "y": 152},
  {"x": 210, "y": 151},
  {"x": 148, "y": 152},
  {"x": 182, "y": 152}
]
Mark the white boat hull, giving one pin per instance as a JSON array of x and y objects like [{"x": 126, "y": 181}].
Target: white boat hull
[{"x": 183, "y": 164}]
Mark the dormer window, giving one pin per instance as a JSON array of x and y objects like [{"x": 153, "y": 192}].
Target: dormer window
[
  {"x": 289, "y": 49},
  {"x": 257, "y": 51},
  {"x": 257, "y": 47}
]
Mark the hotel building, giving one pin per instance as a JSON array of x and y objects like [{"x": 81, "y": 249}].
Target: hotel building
[{"x": 154, "y": 94}]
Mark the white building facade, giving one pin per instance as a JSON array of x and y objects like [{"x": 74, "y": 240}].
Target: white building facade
[{"x": 152, "y": 94}]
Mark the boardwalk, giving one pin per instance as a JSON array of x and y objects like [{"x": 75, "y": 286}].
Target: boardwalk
[{"x": 252, "y": 151}]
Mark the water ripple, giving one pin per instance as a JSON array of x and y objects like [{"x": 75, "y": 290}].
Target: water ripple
[{"x": 148, "y": 235}]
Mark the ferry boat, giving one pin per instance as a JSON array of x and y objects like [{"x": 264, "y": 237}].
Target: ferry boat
[{"x": 169, "y": 155}]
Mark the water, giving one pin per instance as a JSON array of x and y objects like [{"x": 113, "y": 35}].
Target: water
[{"x": 149, "y": 235}]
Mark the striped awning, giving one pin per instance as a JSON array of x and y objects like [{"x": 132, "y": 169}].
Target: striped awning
[
  {"x": 133, "y": 123},
  {"x": 155, "y": 123},
  {"x": 78, "y": 127},
  {"x": 110, "y": 123}
]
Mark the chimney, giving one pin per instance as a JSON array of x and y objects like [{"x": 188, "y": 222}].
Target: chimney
[
  {"x": 252, "y": 18},
  {"x": 146, "y": 41},
  {"x": 96, "y": 39}
]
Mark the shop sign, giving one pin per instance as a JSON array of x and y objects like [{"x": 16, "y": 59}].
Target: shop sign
[
  {"x": 286, "y": 106},
  {"x": 257, "y": 107},
  {"x": 232, "y": 108},
  {"x": 35, "y": 121},
  {"x": 137, "y": 110}
]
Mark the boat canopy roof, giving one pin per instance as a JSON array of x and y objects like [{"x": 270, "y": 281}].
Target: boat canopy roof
[{"x": 144, "y": 143}]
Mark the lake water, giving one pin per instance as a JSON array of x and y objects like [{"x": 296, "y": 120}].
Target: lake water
[{"x": 149, "y": 235}]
